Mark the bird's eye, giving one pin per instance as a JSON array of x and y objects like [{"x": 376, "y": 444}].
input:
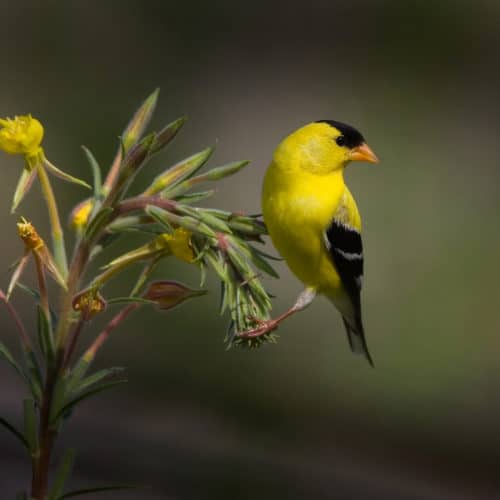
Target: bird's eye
[{"x": 340, "y": 140}]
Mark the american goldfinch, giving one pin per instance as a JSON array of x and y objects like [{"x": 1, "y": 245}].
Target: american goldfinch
[{"x": 314, "y": 222}]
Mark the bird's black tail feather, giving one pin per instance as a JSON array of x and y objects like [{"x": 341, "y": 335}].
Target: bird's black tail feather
[{"x": 357, "y": 341}]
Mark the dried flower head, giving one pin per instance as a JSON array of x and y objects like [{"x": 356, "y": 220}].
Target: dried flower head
[
  {"x": 29, "y": 235},
  {"x": 89, "y": 303}
]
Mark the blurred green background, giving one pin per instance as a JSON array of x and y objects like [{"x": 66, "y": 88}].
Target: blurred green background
[{"x": 303, "y": 419}]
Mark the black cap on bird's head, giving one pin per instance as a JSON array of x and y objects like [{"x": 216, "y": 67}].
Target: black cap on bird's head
[{"x": 352, "y": 139}]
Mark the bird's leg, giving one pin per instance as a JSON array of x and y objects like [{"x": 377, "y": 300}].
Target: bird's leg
[{"x": 268, "y": 325}]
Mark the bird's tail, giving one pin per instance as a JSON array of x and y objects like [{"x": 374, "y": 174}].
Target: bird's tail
[{"x": 357, "y": 341}]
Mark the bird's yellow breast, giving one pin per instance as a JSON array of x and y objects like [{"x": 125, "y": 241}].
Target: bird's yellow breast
[{"x": 297, "y": 210}]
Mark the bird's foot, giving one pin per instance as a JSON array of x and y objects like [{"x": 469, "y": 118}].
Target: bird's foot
[{"x": 263, "y": 327}]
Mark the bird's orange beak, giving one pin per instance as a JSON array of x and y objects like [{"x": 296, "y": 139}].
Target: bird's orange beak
[{"x": 363, "y": 153}]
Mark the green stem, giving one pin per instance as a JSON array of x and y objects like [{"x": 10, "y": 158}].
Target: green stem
[{"x": 55, "y": 222}]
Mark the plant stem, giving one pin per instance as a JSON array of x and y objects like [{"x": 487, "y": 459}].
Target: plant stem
[
  {"x": 73, "y": 342},
  {"x": 41, "y": 461},
  {"x": 55, "y": 222}
]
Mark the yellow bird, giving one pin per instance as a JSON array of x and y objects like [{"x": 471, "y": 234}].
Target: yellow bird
[{"x": 314, "y": 222}]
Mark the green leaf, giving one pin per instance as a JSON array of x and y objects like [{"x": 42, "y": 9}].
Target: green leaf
[
  {"x": 180, "y": 171},
  {"x": 96, "y": 173},
  {"x": 7, "y": 356},
  {"x": 63, "y": 175},
  {"x": 62, "y": 475},
  {"x": 35, "y": 375},
  {"x": 250, "y": 253},
  {"x": 139, "y": 122},
  {"x": 23, "y": 186},
  {"x": 30, "y": 427},
  {"x": 206, "y": 217},
  {"x": 92, "y": 392},
  {"x": 214, "y": 174},
  {"x": 98, "y": 489},
  {"x": 189, "y": 223},
  {"x": 34, "y": 293},
  {"x": 59, "y": 397},
  {"x": 167, "y": 134},
  {"x": 97, "y": 223},
  {"x": 195, "y": 197},
  {"x": 77, "y": 374},
  {"x": 98, "y": 376},
  {"x": 7, "y": 425},
  {"x": 22, "y": 495}
]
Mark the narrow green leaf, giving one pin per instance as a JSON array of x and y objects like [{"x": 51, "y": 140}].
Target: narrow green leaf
[
  {"x": 62, "y": 475},
  {"x": 218, "y": 173},
  {"x": 159, "y": 216},
  {"x": 212, "y": 175},
  {"x": 30, "y": 427},
  {"x": 35, "y": 374},
  {"x": 207, "y": 218},
  {"x": 59, "y": 397},
  {"x": 219, "y": 267},
  {"x": 180, "y": 171},
  {"x": 92, "y": 392},
  {"x": 7, "y": 425},
  {"x": 167, "y": 134},
  {"x": 252, "y": 255},
  {"x": 7, "y": 356},
  {"x": 34, "y": 293},
  {"x": 98, "y": 376},
  {"x": 134, "y": 160},
  {"x": 189, "y": 223},
  {"x": 99, "y": 489},
  {"x": 96, "y": 173},
  {"x": 139, "y": 122},
  {"x": 23, "y": 186},
  {"x": 77, "y": 374},
  {"x": 97, "y": 223},
  {"x": 267, "y": 255},
  {"x": 195, "y": 197},
  {"x": 247, "y": 226},
  {"x": 63, "y": 175}
]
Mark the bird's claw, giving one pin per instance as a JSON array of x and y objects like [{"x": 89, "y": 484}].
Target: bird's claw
[{"x": 263, "y": 327}]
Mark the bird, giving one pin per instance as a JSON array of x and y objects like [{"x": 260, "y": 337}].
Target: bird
[{"x": 314, "y": 222}]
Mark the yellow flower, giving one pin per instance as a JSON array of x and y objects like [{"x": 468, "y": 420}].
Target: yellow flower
[
  {"x": 179, "y": 243},
  {"x": 21, "y": 136},
  {"x": 80, "y": 214}
]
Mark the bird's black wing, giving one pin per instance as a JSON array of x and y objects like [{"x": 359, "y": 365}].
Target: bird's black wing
[
  {"x": 346, "y": 250},
  {"x": 345, "y": 247}
]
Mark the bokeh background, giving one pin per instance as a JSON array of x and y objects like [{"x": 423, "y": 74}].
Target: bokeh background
[{"x": 303, "y": 419}]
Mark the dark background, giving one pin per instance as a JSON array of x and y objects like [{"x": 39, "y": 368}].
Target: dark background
[{"x": 303, "y": 419}]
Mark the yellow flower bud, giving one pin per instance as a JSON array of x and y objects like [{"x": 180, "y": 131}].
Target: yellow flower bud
[
  {"x": 21, "y": 136},
  {"x": 80, "y": 214}
]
